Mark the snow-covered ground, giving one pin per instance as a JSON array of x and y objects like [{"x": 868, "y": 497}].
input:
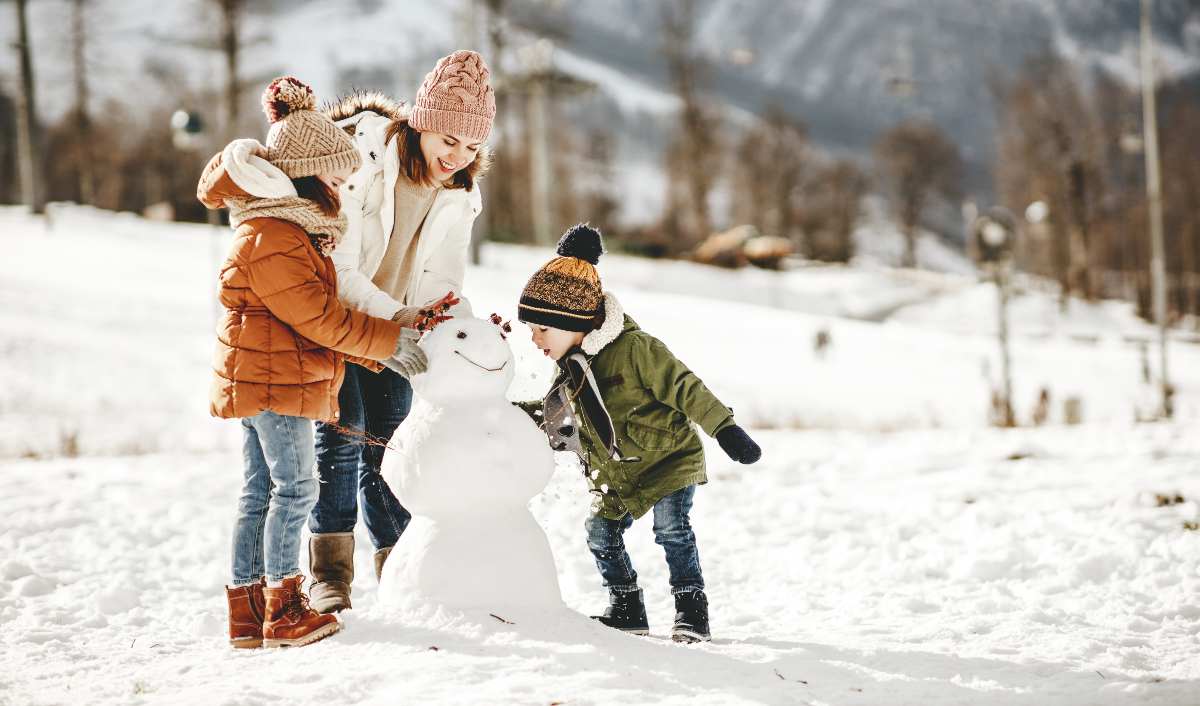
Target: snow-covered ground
[{"x": 889, "y": 549}]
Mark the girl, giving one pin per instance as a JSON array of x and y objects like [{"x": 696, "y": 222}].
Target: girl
[
  {"x": 281, "y": 343},
  {"x": 411, "y": 208}
]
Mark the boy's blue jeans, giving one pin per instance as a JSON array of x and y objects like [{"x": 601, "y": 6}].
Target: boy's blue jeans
[
  {"x": 278, "y": 493},
  {"x": 375, "y": 403},
  {"x": 672, "y": 531}
]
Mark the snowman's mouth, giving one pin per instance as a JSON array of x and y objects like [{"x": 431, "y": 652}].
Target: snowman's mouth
[{"x": 481, "y": 367}]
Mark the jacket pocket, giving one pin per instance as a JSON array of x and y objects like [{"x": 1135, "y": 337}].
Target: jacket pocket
[{"x": 651, "y": 438}]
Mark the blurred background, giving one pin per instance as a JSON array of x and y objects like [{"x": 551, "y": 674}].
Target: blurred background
[{"x": 877, "y": 153}]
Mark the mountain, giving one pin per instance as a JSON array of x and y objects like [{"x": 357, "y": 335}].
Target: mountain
[
  {"x": 852, "y": 68},
  {"x": 849, "y": 69}
]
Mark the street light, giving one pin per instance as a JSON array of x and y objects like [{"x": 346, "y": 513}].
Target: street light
[
  {"x": 995, "y": 235},
  {"x": 186, "y": 128},
  {"x": 1037, "y": 212},
  {"x": 187, "y": 133}
]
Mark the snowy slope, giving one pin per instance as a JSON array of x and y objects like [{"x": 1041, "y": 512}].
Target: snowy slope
[
  {"x": 920, "y": 565},
  {"x": 921, "y": 569},
  {"x": 138, "y": 327}
]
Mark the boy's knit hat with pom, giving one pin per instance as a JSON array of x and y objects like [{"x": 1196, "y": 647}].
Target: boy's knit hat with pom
[
  {"x": 566, "y": 292},
  {"x": 303, "y": 141}
]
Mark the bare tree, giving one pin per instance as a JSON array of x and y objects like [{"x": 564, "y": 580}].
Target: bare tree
[
  {"x": 1050, "y": 151},
  {"x": 499, "y": 198},
  {"x": 695, "y": 153},
  {"x": 830, "y": 211},
  {"x": 83, "y": 118},
  {"x": 772, "y": 161},
  {"x": 8, "y": 149},
  {"x": 598, "y": 199},
  {"x": 230, "y": 45},
  {"x": 28, "y": 131},
  {"x": 917, "y": 163},
  {"x": 1181, "y": 193}
]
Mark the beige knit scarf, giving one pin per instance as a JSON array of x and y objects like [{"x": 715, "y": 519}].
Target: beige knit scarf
[{"x": 324, "y": 231}]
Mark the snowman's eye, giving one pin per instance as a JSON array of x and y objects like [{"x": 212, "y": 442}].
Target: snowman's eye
[{"x": 462, "y": 334}]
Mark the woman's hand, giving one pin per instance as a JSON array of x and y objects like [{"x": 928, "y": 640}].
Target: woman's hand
[{"x": 435, "y": 312}]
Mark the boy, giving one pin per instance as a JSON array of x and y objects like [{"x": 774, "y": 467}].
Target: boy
[{"x": 635, "y": 405}]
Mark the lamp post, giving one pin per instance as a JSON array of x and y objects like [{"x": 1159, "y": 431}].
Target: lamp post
[
  {"x": 1158, "y": 270},
  {"x": 994, "y": 233},
  {"x": 187, "y": 134}
]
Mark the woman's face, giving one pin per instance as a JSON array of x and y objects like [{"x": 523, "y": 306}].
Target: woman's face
[
  {"x": 335, "y": 179},
  {"x": 554, "y": 342},
  {"x": 446, "y": 154}
]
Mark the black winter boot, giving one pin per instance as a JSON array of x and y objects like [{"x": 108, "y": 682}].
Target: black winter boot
[
  {"x": 626, "y": 612},
  {"x": 691, "y": 617}
]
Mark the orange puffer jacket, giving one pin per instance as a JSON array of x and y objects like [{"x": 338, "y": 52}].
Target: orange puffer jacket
[{"x": 284, "y": 337}]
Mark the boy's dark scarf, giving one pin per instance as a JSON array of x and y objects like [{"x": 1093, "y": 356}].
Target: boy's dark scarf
[{"x": 577, "y": 383}]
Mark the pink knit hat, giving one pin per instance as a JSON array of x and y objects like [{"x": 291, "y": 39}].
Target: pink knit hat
[{"x": 456, "y": 98}]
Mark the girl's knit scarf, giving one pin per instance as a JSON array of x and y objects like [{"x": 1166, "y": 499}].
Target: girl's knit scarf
[{"x": 270, "y": 194}]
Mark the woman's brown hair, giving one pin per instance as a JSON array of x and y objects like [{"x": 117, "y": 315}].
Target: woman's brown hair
[
  {"x": 412, "y": 160},
  {"x": 313, "y": 189}
]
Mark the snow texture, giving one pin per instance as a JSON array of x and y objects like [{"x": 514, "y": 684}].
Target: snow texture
[{"x": 853, "y": 566}]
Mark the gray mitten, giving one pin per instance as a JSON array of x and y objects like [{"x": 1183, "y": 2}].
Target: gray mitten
[{"x": 408, "y": 359}]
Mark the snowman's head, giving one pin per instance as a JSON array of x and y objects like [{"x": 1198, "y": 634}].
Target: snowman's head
[{"x": 469, "y": 359}]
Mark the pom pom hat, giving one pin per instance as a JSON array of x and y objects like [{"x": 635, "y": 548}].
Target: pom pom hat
[
  {"x": 566, "y": 292},
  {"x": 302, "y": 141},
  {"x": 456, "y": 98}
]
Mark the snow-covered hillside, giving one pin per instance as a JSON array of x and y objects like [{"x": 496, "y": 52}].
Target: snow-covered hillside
[
  {"x": 890, "y": 547},
  {"x": 127, "y": 305}
]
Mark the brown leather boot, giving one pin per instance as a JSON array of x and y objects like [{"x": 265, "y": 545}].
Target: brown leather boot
[
  {"x": 381, "y": 557},
  {"x": 246, "y": 606},
  {"x": 290, "y": 622}
]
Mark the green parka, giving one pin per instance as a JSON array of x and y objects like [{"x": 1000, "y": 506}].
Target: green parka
[{"x": 653, "y": 400}]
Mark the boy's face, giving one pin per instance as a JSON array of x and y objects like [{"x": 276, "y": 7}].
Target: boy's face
[{"x": 554, "y": 342}]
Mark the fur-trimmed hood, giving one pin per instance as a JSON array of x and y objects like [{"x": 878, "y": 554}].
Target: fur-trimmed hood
[
  {"x": 613, "y": 326},
  {"x": 365, "y": 101}
]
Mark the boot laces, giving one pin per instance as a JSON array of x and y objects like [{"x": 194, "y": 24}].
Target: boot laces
[{"x": 297, "y": 605}]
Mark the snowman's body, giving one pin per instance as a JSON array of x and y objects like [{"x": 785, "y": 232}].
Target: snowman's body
[{"x": 466, "y": 463}]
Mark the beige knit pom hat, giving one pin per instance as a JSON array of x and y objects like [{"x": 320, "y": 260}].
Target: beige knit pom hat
[
  {"x": 456, "y": 98},
  {"x": 302, "y": 141}
]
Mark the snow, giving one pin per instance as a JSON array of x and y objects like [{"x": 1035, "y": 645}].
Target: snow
[{"x": 890, "y": 547}]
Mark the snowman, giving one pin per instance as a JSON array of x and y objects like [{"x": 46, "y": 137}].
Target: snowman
[{"x": 466, "y": 463}]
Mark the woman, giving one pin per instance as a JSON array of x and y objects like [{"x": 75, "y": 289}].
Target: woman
[
  {"x": 281, "y": 346},
  {"x": 410, "y": 208}
]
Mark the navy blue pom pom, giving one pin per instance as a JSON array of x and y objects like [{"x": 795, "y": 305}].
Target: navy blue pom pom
[{"x": 582, "y": 241}]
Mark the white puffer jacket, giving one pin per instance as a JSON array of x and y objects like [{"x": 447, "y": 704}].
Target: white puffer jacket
[{"x": 368, "y": 200}]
